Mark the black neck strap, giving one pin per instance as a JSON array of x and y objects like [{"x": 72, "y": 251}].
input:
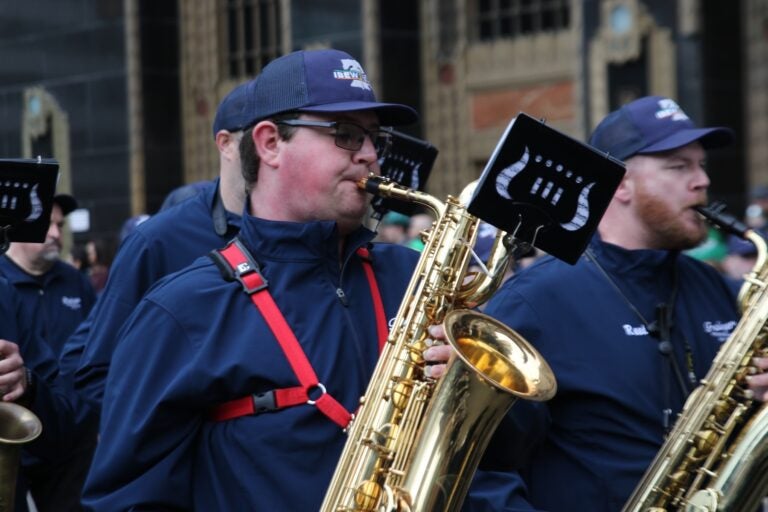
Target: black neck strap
[{"x": 661, "y": 330}]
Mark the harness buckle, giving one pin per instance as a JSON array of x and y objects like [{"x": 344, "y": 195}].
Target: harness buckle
[
  {"x": 264, "y": 402},
  {"x": 250, "y": 278}
]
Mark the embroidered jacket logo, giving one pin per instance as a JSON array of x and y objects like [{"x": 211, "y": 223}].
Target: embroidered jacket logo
[
  {"x": 631, "y": 330},
  {"x": 719, "y": 330},
  {"x": 73, "y": 303},
  {"x": 353, "y": 71}
]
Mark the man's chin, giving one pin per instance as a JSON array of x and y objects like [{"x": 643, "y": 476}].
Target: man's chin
[
  {"x": 694, "y": 239},
  {"x": 50, "y": 256}
]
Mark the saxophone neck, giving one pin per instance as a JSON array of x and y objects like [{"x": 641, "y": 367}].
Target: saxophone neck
[
  {"x": 384, "y": 187},
  {"x": 757, "y": 278}
]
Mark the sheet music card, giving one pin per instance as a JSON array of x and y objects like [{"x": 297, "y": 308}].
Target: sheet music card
[
  {"x": 546, "y": 188},
  {"x": 26, "y": 198}
]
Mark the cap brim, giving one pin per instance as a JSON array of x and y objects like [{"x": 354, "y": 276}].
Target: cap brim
[
  {"x": 66, "y": 202},
  {"x": 710, "y": 138},
  {"x": 390, "y": 114}
]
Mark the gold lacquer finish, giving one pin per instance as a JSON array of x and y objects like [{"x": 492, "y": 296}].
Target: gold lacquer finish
[
  {"x": 18, "y": 426},
  {"x": 716, "y": 457},
  {"x": 416, "y": 442}
]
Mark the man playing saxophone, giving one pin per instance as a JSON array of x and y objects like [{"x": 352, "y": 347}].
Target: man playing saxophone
[
  {"x": 233, "y": 380},
  {"x": 628, "y": 331}
]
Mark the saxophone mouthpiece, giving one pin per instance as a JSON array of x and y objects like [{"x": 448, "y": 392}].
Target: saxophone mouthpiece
[
  {"x": 371, "y": 183},
  {"x": 715, "y": 214}
]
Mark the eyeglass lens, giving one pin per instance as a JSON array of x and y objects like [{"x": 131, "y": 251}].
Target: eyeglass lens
[{"x": 352, "y": 137}]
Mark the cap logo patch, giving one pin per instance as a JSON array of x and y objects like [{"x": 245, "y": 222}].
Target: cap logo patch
[
  {"x": 353, "y": 71},
  {"x": 669, "y": 109}
]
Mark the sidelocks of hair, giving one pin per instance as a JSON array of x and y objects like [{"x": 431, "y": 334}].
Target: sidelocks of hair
[{"x": 249, "y": 158}]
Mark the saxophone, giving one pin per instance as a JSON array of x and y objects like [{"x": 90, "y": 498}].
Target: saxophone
[
  {"x": 716, "y": 456},
  {"x": 415, "y": 442},
  {"x": 18, "y": 425}
]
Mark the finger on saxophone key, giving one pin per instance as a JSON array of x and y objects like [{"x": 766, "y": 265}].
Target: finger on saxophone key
[
  {"x": 758, "y": 382},
  {"x": 437, "y": 354}
]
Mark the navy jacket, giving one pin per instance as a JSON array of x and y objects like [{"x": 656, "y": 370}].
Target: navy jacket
[
  {"x": 63, "y": 295},
  {"x": 588, "y": 447},
  {"x": 165, "y": 243},
  {"x": 196, "y": 341}
]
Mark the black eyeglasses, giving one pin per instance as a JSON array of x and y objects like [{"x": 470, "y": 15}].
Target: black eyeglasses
[{"x": 348, "y": 135}]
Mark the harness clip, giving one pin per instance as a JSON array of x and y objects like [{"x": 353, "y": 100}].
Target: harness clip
[{"x": 264, "y": 402}]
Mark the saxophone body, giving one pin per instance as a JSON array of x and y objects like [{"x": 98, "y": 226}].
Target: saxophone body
[
  {"x": 716, "y": 456},
  {"x": 415, "y": 442}
]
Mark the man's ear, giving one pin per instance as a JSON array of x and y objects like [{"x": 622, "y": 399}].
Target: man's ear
[
  {"x": 227, "y": 143},
  {"x": 265, "y": 139},
  {"x": 625, "y": 189}
]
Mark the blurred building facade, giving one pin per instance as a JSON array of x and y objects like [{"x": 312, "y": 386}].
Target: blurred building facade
[{"x": 123, "y": 92}]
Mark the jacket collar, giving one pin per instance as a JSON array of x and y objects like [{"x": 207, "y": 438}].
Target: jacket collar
[
  {"x": 279, "y": 240},
  {"x": 639, "y": 262}
]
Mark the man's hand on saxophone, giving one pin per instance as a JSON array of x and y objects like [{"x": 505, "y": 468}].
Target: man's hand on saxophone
[
  {"x": 758, "y": 383},
  {"x": 13, "y": 378},
  {"x": 438, "y": 353}
]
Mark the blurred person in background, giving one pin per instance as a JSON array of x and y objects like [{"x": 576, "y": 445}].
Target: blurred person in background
[
  {"x": 740, "y": 258},
  {"x": 392, "y": 228},
  {"x": 419, "y": 222},
  {"x": 168, "y": 241},
  {"x": 184, "y": 192},
  {"x": 712, "y": 250},
  {"x": 130, "y": 225},
  {"x": 57, "y": 297},
  {"x": 99, "y": 253},
  {"x": 756, "y": 213},
  {"x": 43, "y": 301},
  {"x": 78, "y": 258},
  {"x": 63, "y": 295}
]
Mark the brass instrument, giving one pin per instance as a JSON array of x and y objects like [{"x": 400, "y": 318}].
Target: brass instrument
[
  {"x": 416, "y": 442},
  {"x": 716, "y": 456},
  {"x": 18, "y": 425}
]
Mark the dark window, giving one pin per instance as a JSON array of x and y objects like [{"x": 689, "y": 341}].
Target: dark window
[
  {"x": 251, "y": 35},
  {"x": 507, "y": 19}
]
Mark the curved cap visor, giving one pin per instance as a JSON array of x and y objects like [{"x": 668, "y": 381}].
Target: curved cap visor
[
  {"x": 710, "y": 138},
  {"x": 389, "y": 114}
]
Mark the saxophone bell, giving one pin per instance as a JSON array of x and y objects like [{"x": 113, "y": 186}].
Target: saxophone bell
[
  {"x": 492, "y": 366},
  {"x": 18, "y": 425}
]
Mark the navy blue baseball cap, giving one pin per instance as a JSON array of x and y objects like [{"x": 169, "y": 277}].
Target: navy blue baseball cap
[
  {"x": 653, "y": 124},
  {"x": 322, "y": 81},
  {"x": 230, "y": 114},
  {"x": 66, "y": 202}
]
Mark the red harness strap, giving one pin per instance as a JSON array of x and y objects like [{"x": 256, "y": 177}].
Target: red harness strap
[
  {"x": 378, "y": 305},
  {"x": 247, "y": 272}
]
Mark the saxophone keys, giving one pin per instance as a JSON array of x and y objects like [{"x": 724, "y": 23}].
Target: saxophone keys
[
  {"x": 367, "y": 496},
  {"x": 705, "y": 500}
]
